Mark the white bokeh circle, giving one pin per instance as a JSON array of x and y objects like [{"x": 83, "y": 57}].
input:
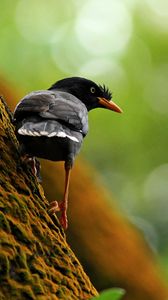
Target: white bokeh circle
[{"x": 104, "y": 27}]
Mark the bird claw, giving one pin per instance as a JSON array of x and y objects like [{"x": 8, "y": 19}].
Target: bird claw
[{"x": 55, "y": 207}]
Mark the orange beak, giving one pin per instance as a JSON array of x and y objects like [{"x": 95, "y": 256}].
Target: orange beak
[{"x": 110, "y": 105}]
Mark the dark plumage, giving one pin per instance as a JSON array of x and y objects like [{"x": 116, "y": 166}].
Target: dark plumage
[{"x": 52, "y": 123}]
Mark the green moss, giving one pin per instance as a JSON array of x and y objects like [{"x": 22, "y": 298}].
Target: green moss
[
  {"x": 11, "y": 291},
  {"x": 20, "y": 258},
  {"x": 36, "y": 231},
  {"x": 34, "y": 268},
  {"x": 17, "y": 208},
  {"x": 59, "y": 294},
  {"x": 22, "y": 214},
  {"x": 23, "y": 276},
  {"x": 7, "y": 244},
  {"x": 27, "y": 294},
  {"x": 20, "y": 234},
  {"x": 36, "y": 285},
  {"x": 13, "y": 198},
  {"x": 2, "y": 205},
  {"x": 4, "y": 184},
  {"x": 64, "y": 291},
  {"x": 20, "y": 186},
  {"x": 2, "y": 297},
  {"x": 64, "y": 270},
  {"x": 4, "y": 266},
  {"x": 41, "y": 234},
  {"x": 4, "y": 224},
  {"x": 39, "y": 248}
]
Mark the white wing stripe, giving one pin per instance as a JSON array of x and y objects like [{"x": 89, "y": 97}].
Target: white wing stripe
[
  {"x": 73, "y": 138},
  {"x": 44, "y": 133},
  {"x": 51, "y": 134},
  {"x": 61, "y": 134}
]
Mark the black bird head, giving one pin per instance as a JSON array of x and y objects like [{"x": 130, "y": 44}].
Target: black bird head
[{"x": 91, "y": 94}]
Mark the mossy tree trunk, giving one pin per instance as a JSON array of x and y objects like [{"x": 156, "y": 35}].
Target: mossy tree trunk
[{"x": 35, "y": 260}]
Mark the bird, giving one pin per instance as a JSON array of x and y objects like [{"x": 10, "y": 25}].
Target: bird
[{"x": 52, "y": 123}]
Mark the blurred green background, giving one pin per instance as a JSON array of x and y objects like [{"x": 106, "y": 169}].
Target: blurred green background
[{"x": 124, "y": 44}]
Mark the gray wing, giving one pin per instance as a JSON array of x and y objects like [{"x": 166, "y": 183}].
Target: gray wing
[{"x": 54, "y": 105}]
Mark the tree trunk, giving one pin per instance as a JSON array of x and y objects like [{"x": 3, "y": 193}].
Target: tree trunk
[{"x": 35, "y": 259}]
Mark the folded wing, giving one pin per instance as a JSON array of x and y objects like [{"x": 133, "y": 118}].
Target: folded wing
[{"x": 47, "y": 106}]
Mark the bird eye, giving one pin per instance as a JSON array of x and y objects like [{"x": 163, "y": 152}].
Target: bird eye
[{"x": 92, "y": 89}]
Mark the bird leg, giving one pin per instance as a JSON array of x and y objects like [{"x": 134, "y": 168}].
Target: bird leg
[{"x": 63, "y": 205}]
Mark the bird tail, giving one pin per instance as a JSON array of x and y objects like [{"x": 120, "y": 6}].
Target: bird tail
[{"x": 49, "y": 128}]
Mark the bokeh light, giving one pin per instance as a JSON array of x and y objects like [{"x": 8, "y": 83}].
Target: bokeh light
[
  {"x": 155, "y": 92},
  {"x": 159, "y": 15},
  {"x": 104, "y": 27},
  {"x": 156, "y": 191},
  {"x": 38, "y": 22}
]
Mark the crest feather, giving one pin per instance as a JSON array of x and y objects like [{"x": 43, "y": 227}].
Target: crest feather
[{"x": 107, "y": 93}]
